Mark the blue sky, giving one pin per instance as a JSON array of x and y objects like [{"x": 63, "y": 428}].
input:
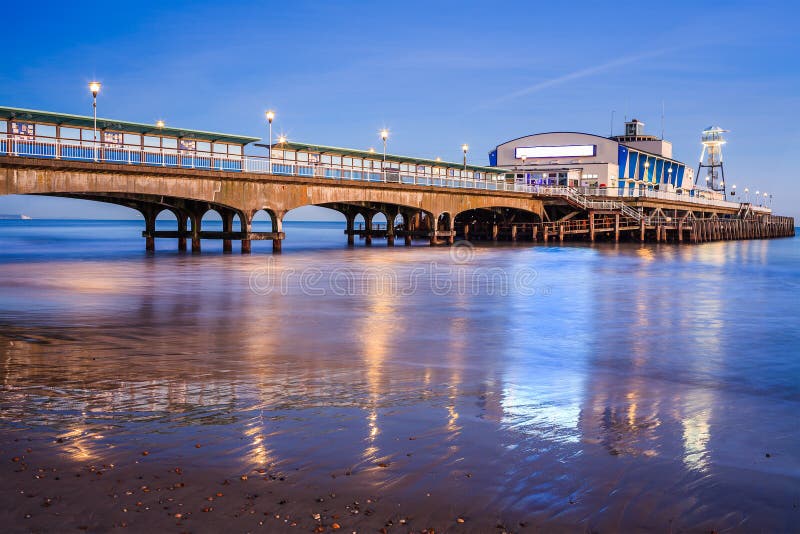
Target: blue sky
[{"x": 437, "y": 74}]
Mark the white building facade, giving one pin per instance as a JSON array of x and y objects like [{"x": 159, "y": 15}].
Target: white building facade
[{"x": 628, "y": 163}]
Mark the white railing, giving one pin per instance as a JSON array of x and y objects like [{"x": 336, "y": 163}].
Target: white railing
[
  {"x": 696, "y": 198},
  {"x": 69, "y": 149}
]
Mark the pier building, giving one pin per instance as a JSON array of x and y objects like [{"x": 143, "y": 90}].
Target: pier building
[{"x": 622, "y": 165}]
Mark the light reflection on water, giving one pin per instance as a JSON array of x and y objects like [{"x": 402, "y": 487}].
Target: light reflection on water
[{"x": 634, "y": 365}]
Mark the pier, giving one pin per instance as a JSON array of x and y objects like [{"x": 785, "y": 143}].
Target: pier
[{"x": 152, "y": 168}]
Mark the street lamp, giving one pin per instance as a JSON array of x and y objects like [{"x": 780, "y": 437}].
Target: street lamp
[
  {"x": 94, "y": 87},
  {"x": 384, "y": 137},
  {"x": 733, "y": 190},
  {"x": 270, "y": 117},
  {"x": 282, "y": 139},
  {"x": 465, "y": 148},
  {"x": 159, "y": 124},
  {"x": 765, "y": 199}
]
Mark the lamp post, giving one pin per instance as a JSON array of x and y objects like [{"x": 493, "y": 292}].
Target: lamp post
[
  {"x": 765, "y": 199},
  {"x": 384, "y": 137},
  {"x": 747, "y": 194},
  {"x": 159, "y": 124},
  {"x": 94, "y": 87},
  {"x": 270, "y": 117},
  {"x": 733, "y": 190},
  {"x": 465, "y": 148}
]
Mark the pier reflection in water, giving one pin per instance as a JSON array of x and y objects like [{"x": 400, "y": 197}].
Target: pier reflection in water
[{"x": 635, "y": 382}]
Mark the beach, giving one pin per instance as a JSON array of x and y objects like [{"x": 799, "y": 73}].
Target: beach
[{"x": 529, "y": 388}]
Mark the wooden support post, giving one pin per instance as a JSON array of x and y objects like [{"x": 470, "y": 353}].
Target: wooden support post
[
  {"x": 616, "y": 228},
  {"x": 545, "y": 234},
  {"x": 534, "y": 232},
  {"x": 641, "y": 231},
  {"x": 513, "y": 232},
  {"x": 561, "y": 233},
  {"x": 466, "y": 232},
  {"x": 495, "y": 232},
  {"x": 680, "y": 232},
  {"x": 591, "y": 226},
  {"x": 658, "y": 233}
]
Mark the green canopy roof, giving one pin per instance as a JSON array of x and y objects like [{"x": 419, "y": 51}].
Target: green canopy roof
[
  {"x": 82, "y": 121},
  {"x": 355, "y": 153}
]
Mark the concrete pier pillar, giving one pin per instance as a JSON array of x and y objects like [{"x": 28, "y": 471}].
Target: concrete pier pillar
[
  {"x": 534, "y": 232},
  {"x": 277, "y": 228},
  {"x": 561, "y": 233},
  {"x": 247, "y": 226},
  {"x": 658, "y": 233},
  {"x": 149, "y": 228},
  {"x": 351, "y": 238},
  {"x": 466, "y": 232},
  {"x": 434, "y": 226},
  {"x": 196, "y": 221},
  {"x": 227, "y": 227},
  {"x": 680, "y": 232},
  {"x": 544, "y": 234},
  {"x": 495, "y": 232},
  {"x": 616, "y": 228},
  {"x": 514, "y": 232},
  {"x": 389, "y": 230},
  {"x": 368, "y": 229},
  {"x": 182, "y": 232},
  {"x": 642, "y": 229}
]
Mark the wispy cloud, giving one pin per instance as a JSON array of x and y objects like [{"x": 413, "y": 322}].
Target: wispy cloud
[{"x": 578, "y": 74}]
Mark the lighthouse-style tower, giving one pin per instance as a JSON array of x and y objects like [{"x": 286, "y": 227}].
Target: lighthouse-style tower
[{"x": 711, "y": 159}]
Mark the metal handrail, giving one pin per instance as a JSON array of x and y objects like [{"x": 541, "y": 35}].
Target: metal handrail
[{"x": 106, "y": 152}]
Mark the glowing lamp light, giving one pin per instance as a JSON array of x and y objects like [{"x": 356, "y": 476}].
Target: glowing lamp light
[
  {"x": 270, "y": 115},
  {"x": 384, "y": 134},
  {"x": 465, "y": 147},
  {"x": 159, "y": 124},
  {"x": 282, "y": 139},
  {"x": 372, "y": 150},
  {"x": 94, "y": 87}
]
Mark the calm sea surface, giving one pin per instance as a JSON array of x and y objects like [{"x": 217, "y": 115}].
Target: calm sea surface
[{"x": 619, "y": 385}]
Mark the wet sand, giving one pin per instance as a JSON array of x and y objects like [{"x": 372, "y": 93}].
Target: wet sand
[{"x": 169, "y": 394}]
